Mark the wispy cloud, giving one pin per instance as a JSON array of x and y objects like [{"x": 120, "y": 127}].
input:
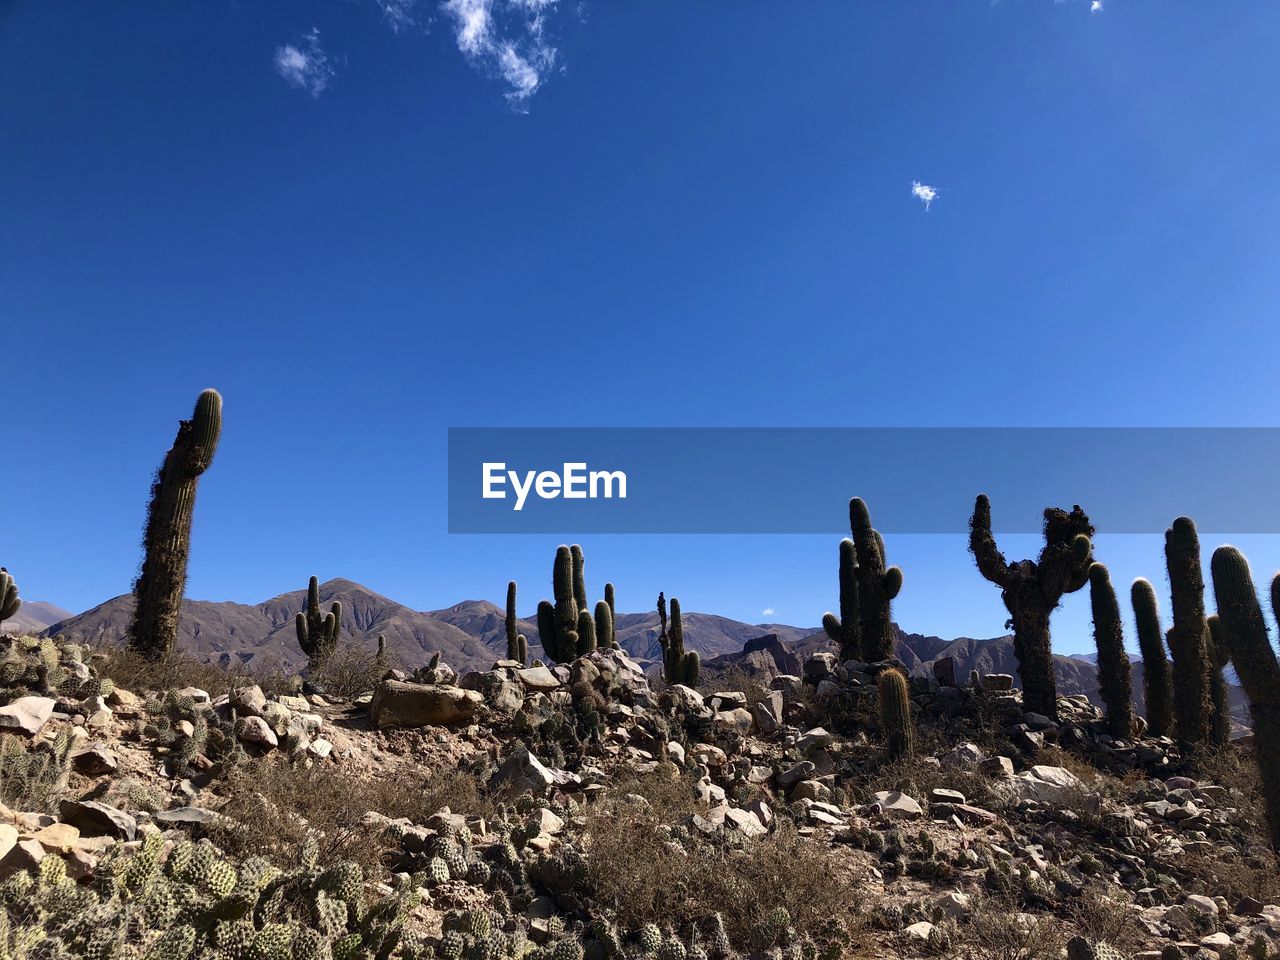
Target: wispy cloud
[
  {"x": 399, "y": 14},
  {"x": 506, "y": 38},
  {"x": 1095, "y": 6},
  {"x": 924, "y": 193},
  {"x": 304, "y": 63},
  {"x": 768, "y": 612}
]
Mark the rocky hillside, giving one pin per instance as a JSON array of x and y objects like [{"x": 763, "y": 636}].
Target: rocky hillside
[{"x": 34, "y": 616}]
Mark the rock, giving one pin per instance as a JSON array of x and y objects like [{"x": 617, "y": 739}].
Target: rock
[
  {"x": 98, "y": 819},
  {"x": 942, "y": 795},
  {"x": 94, "y": 760},
  {"x": 399, "y": 704},
  {"x": 1217, "y": 942},
  {"x": 738, "y": 720},
  {"x": 997, "y": 767},
  {"x": 256, "y": 730},
  {"x": 24, "y": 856},
  {"x": 27, "y": 715},
  {"x": 520, "y": 773},
  {"x": 195, "y": 694},
  {"x": 538, "y": 679},
  {"x": 920, "y": 930},
  {"x": 320, "y": 748},
  {"x": 57, "y": 836},
  {"x": 743, "y": 821},
  {"x": 898, "y": 805},
  {"x": 954, "y": 905},
  {"x": 766, "y": 722},
  {"x": 1044, "y": 784},
  {"x": 762, "y": 811},
  {"x": 962, "y": 757},
  {"x": 675, "y": 751},
  {"x": 944, "y": 671},
  {"x": 687, "y": 699},
  {"x": 1248, "y": 907},
  {"x": 548, "y": 823},
  {"x": 810, "y": 790},
  {"x": 996, "y": 682},
  {"x": 966, "y": 813},
  {"x": 801, "y": 771},
  {"x": 8, "y": 839},
  {"x": 1202, "y": 904},
  {"x": 188, "y": 817},
  {"x": 814, "y": 739},
  {"x": 248, "y": 700}
]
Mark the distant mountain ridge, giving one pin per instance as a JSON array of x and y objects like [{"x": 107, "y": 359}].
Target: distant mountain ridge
[{"x": 472, "y": 634}]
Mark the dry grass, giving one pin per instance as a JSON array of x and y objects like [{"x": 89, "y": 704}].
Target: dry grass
[
  {"x": 138, "y": 673},
  {"x": 641, "y": 876},
  {"x": 276, "y": 806},
  {"x": 996, "y": 930}
]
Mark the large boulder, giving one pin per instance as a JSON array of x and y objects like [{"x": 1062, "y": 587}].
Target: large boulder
[
  {"x": 1044, "y": 784},
  {"x": 399, "y": 704},
  {"x": 26, "y": 715}
]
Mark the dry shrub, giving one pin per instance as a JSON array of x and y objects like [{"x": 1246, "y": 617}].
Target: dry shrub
[
  {"x": 352, "y": 669},
  {"x": 275, "y": 806},
  {"x": 1100, "y": 918},
  {"x": 138, "y": 673},
  {"x": 996, "y": 930},
  {"x": 640, "y": 875},
  {"x": 734, "y": 678}
]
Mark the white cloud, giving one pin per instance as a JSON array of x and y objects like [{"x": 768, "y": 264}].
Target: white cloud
[
  {"x": 506, "y": 38},
  {"x": 768, "y": 612},
  {"x": 399, "y": 14},
  {"x": 304, "y": 64},
  {"x": 1095, "y": 6},
  {"x": 923, "y": 192}
]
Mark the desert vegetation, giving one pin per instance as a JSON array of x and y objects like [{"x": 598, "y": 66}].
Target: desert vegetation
[{"x": 587, "y": 803}]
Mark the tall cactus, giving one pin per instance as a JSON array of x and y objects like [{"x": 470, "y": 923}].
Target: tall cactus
[
  {"x": 558, "y": 623},
  {"x": 845, "y": 630},
  {"x": 318, "y": 632},
  {"x": 1155, "y": 665},
  {"x": 611, "y": 639},
  {"x": 1113, "y": 663},
  {"x": 877, "y": 585},
  {"x": 579, "y": 577},
  {"x": 677, "y": 665},
  {"x": 167, "y": 539},
  {"x": 517, "y": 645},
  {"x": 1031, "y": 591},
  {"x": 605, "y": 636},
  {"x": 895, "y": 713},
  {"x": 1188, "y": 637},
  {"x": 1245, "y": 633},
  {"x": 9, "y": 599},
  {"x": 1218, "y": 656}
]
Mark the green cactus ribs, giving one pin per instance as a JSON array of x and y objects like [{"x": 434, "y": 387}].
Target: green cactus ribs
[
  {"x": 678, "y": 665},
  {"x": 167, "y": 537},
  {"x": 1113, "y": 662},
  {"x": 864, "y": 629},
  {"x": 566, "y": 626},
  {"x": 895, "y": 713}
]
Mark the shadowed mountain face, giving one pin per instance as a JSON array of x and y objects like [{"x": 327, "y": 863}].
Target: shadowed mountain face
[{"x": 472, "y": 634}]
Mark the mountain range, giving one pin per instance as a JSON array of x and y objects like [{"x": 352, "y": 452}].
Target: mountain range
[{"x": 472, "y": 634}]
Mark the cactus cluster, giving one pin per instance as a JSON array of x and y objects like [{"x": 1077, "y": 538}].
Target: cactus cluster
[
  {"x": 517, "y": 645},
  {"x": 43, "y": 667},
  {"x": 678, "y": 665},
  {"x": 566, "y": 627},
  {"x": 1243, "y": 632},
  {"x": 895, "y": 713},
  {"x": 1113, "y": 662},
  {"x": 196, "y": 903},
  {"x": 317, "y": 631},
  {"x": 864, "y": 629},
  {"x": 9, "y": 599},
  {"x": 167, "y": 538},
  {"x": 1031, "y": 591}
]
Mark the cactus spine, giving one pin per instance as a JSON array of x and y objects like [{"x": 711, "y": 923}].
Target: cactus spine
[
  {"x": 1250, "y": 650},
  {"x": 9, "y": 599},
  {"x": 318, "y": 632},
  {"x": 677, "y": 665},
  {"x": 877, "y": 585},
  {"x": 1155, "y": 665},
  {"x": 1113, "y": 663},
  {"x": 1188, "y": 637},
  {"x": 517, "y": 645},
  {"x": 895, "y": 713},
  {"x": 1031, "y": 591},
  {"x": 1220, "y": 727},
  {"x": 167, "y": 540}
]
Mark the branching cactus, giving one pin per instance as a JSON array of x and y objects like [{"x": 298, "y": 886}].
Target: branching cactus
[
  {"x": 1155, "y": 665},
  {"x": 1250, "y": 650},
  {"x": 167, "y": 539},
  {"x": 877, "y": 585},
  {"x": 1188, "y": 637},
  {"x": 558, "y": 622},
  {"x": 1219, "y": 696},
  {"x": 1032, "y": 590},
  {"x": 678, "y": 666},
  {"x": 1113, "y": 663},
  {"x": 318, "y": 632},
  {"x": 9, "y": 599},
  {"x": 895, "y": 713},
  {"x": 517, "y": 645},
  {"x": 845, "y": 630}
]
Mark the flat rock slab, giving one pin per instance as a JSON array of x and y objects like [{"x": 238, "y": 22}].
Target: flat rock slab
[
  {"x": 898, "y": 805},
  {"x": 27, "y": 715},
  {"x": 399, "y": 704},
  {"x": 97, "y": 819}
]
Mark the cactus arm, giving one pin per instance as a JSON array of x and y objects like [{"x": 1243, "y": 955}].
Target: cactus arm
[
  {"x": 1155, "y": 665},
  {"x": 579, "y": 579},
  {"x": 982, "y": 544},
  {"x": 9, "y": 599},
  {"x": 1114, "y": 670}
]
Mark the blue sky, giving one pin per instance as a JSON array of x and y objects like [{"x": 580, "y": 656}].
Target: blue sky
[{"x": 366, "y": 222}]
